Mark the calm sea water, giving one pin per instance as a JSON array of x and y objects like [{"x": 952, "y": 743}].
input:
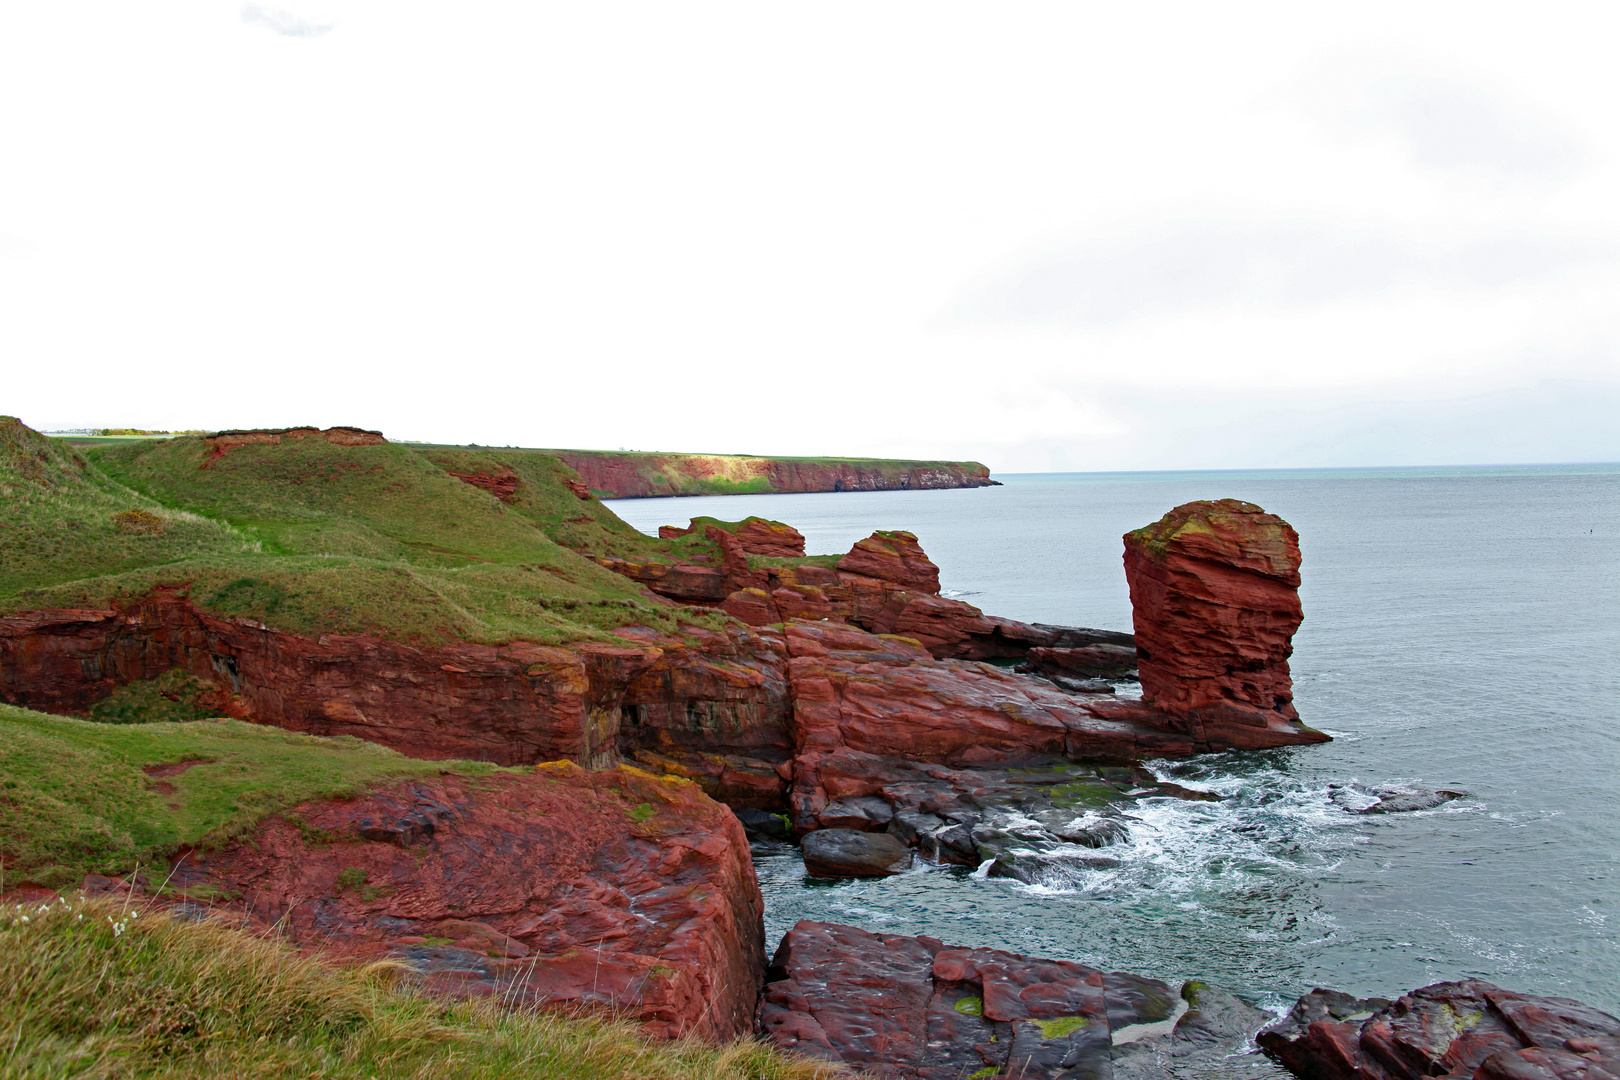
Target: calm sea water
[{"x": 1462, "y": 628}]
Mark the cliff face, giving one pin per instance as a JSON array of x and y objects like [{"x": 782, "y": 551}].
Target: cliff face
[
  {"x": 634, "y": 475},
  {"x": 511, "y": 704}
]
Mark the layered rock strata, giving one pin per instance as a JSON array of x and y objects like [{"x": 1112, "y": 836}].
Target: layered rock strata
[
  {"x": 1467, "y": 1030},
  {"x": 747, "y": 713},
  {"x": 914, "y": 1008},
  {"x": 706, "y": 692},
  {"x": 557, "y": 887},
  {"x": 1215, "y": 601}
]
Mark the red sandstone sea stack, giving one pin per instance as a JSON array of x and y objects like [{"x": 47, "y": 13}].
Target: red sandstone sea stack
[{"x": 1215, "y": 596}]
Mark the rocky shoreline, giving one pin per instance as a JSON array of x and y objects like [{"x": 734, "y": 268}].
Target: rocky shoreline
[{"x": 848, "y": 707}]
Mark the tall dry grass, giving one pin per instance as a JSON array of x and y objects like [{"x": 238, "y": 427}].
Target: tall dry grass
[{"x": 100, "y": 989}]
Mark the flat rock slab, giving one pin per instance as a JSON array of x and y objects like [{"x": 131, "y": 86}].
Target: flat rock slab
[
  {"x": 1467, "y": 1030},
  {"x": 847, "y": 853},
  {"x": 913, "y": 1008}
]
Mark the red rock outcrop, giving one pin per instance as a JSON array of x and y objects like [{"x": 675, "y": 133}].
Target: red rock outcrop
[
  {"x": 864, "y": 703},
  {"x": 1215, "y": 599},
  {"x": 223, "y": 442},
  {"x": 886, "y": 585},
  {"x": 501, "y": 485},
  {"x": 755, "y": 536},
  {"x": 895, "y": 557},
  {"x": 918, "y": 1009},
  {"x": 690, "y": 583},
  {"x": 1466, "y": 1030},
  {"x": 616, "y": 889}
]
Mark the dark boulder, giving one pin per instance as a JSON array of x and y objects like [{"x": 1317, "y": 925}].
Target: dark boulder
[
  {"x": 762, "y": 823},
  {"x": 868, "y": 813},
  {"x": 850, "y": 853}
]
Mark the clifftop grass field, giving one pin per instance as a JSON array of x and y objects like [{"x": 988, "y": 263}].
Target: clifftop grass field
[{"x": 311, "y": 537}]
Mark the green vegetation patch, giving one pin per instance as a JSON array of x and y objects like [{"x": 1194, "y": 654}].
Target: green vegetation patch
[
  {"x": 542, "y": 496},
  {"x": 174, "y": 697},
  {"x": 97, "y": 989},
  {"x": 78, "y": 797},
  {"x": 970, "y": 1006},
  {"x": 1061, "y": 1027},
  {"x": 62, "y": 519}
]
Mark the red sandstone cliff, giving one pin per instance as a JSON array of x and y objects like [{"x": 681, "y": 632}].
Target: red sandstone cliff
[{"x": 634, "y": 475}]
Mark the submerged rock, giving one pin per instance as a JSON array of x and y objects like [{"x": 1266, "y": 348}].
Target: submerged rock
[
  {"x": 1467, "y": 1029},
  {"x": 916, "y": 1008},
  {"x": 1391, "y": 800},
  {"x": 851, "y": 853}
]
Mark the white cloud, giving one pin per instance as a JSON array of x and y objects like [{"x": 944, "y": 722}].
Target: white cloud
[
  {"x": 728, "y": 225},
  {"x": 1190, "y": 265},
  {"x": 1455, "y": 126},
  {"x": 284, "y": 22}
]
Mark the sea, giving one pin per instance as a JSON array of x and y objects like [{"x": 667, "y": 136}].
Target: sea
[{"x": 1462, "y": 630}]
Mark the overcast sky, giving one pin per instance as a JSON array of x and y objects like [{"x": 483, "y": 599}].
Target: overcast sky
[{"x": 1045, "y": 236}]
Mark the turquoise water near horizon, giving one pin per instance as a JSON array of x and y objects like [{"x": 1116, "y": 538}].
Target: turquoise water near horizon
[{"x": 1462, "y": 629}]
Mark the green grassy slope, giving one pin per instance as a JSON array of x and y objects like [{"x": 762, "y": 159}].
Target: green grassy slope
[
  {"x": 542, "y": 498},
  {"x": 309, "y": 497},
  {"x": 62, "y": 518},
  {"x": 75, "y": 799},
  {"x": 311, "y": 538},
  {"x": 98, "y": 989}
]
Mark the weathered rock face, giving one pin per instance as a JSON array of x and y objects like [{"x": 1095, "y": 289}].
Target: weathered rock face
[
  {"x": 915, "y": 1008},
  {"x": 712, "y": 707},
  {"x": 895, "y": 557},
  {"x": 614, "y": 889},
  {"x": 1459, "y": 1030},
  {"x": 1215, "y": 595},
  {"x": 512, "y": 704}
]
